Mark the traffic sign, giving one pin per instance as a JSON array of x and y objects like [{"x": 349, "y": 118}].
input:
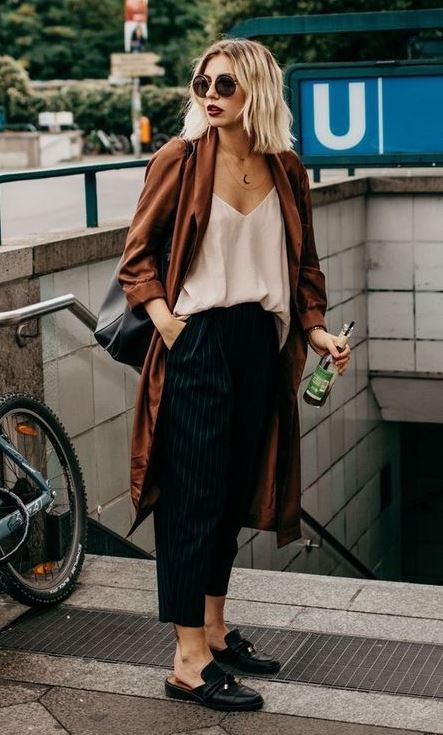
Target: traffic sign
[
  {"x": 135, "y": 65},
  {"x": 357, "y": 114}
]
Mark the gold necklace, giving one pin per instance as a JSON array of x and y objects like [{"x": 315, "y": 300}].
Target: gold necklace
[
  {"x": 244, "y": 174},
  {"x": 248, "y": 186}
]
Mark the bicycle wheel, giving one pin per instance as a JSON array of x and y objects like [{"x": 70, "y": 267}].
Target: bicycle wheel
[
  {"x": 118, "y": 144},
  {"x": 124, "y": 143},
  {"x": 44, "y": 570},
  {"x": 91, "y": 145}
]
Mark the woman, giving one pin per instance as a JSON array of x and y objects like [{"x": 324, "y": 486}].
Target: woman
[{"x": 243, "y": 296}]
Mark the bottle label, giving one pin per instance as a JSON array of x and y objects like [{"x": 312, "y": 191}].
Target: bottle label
[{"x": 319, "y": 383}]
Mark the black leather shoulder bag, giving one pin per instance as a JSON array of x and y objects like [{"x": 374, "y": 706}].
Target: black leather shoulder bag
[{"x": 123, "y": 332}]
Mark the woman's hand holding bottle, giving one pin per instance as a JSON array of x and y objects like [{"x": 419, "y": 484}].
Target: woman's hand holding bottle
[{"x": 324, "y": 343}]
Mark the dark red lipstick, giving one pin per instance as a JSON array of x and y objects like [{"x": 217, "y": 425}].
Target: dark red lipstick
[{"x": 213, "y": 110}]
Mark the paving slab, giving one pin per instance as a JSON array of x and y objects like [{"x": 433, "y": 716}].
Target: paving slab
[
  {"x": 418, "y": 600},
  {"x": 9, "y": 610},
  {"x": 372, "y": 625},
  {"x": 114, "y": 598},
  {"x": 261, "y": 723},
  {"x": 29, "y": 719},
  {"x": 112, "y": 571},
  {"x": 83, "y": 712},
  {"x": 246, "y": 584},
  {"x": 79, "y": 673},
  {"x": 365, "y": 708},
  {"x": 15, "y": 693},
  {"x": 299, "y": 700},
  {"x": 291, "y": 588},
  {"x": 146, "y": 602},
  {"x": 243, "y": 612}
]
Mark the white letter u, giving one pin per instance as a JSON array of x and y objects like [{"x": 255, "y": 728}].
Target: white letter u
[{"x": 357, "y": 117}]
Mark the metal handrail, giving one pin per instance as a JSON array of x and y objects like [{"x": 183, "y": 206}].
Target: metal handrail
[
  {"x": 68, "y": 301},
  {"x": 88, "y": 170},
  {"x": 347, "y": 555}
]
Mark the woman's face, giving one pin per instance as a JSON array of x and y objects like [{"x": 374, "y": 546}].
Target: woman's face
[{"x": 222, "y": 112}]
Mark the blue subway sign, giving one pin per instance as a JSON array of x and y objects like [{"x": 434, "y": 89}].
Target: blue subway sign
[{"x": 367, "y": 114}]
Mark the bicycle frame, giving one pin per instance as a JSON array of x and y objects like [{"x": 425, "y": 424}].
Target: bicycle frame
[{"x": 10, "y": 522}]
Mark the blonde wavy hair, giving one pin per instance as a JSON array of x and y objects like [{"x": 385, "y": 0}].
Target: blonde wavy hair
[{"x": 267, "y": 118}]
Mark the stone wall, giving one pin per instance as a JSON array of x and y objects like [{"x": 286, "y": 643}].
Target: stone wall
[{"x": 405, "y": 303}]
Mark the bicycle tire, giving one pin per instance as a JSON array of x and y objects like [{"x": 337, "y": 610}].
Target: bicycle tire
[
  {"x": 117, "y": 144},
  {"x": 124, "y": 143},
  {"x": 15, "y": 584},
  {"x": 91, "y": 146}
]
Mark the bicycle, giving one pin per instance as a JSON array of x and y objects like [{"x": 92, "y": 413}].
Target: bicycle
[
  {"x": 43, "y": 509},
  {"x": 100, "y": 142}
]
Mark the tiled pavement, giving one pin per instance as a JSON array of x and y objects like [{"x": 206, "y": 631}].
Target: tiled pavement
[
  {"x": 47, "y": 695},
  {"x": 56, "y": 710}
]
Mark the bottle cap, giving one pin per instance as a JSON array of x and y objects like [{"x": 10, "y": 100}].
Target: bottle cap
[{"x": 344, "y": 335}]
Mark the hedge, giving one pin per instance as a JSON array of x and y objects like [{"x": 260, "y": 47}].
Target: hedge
[
  {"x": 105, "y": 107},
  {"x": 100, "y": 106}
]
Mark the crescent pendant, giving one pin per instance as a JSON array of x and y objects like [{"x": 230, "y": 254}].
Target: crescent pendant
[{"x": 245, "y": 179}]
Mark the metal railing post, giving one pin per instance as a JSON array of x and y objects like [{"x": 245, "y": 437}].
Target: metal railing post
[
  {"x": 91, "y": 199},
  {"x": 89, "y": 171}
]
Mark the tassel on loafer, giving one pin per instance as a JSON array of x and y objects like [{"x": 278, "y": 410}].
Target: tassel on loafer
[
  {"x": 221, "y": 691},
  {"x": 241, "y": 654}
]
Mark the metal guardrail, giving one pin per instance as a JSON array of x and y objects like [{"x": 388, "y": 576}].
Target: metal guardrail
[
  {"x": 68, "y": 301},
  {"x": 88, "y": 170}
]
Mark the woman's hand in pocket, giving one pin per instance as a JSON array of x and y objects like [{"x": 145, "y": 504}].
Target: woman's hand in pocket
[{"x": 172, "y": 329}]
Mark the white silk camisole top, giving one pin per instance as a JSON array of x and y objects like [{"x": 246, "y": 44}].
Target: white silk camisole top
[{"x": 242, "y": 257}]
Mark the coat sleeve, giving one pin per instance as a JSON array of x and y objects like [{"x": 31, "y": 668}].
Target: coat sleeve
[
  {"x": 138, "y": 274},
  {"x": 311, "y": 291}
]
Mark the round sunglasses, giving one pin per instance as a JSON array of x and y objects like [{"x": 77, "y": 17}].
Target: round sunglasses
[{"x": 225, "y": 85}]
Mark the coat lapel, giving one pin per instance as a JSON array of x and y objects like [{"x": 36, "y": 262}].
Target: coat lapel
[
  {"x": 289, "y": 210},
  {"x": 206, "y": 151}
]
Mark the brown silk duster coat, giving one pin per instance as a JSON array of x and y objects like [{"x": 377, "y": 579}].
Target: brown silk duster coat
[{"x": 165, "y": 207}]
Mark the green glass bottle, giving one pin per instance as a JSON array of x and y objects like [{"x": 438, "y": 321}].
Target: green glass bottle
[{"x": 325, "y": 374}]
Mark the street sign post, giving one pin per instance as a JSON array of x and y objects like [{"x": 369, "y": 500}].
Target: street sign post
[
  {"x": 377, "y": 114},
  {"x": 129, "y": 66}
]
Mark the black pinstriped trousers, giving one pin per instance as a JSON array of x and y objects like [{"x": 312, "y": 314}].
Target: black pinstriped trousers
[{"x": 220, "y": 375}]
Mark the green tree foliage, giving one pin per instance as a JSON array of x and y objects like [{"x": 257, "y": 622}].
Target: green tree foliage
[
  {"x": 336, "y": 47},
  {"x": 13, "y": 81},
  {"x": 65, "y": 39},
  {"x": 73, "y": 39},
  {"x": 178, "y": 31}
]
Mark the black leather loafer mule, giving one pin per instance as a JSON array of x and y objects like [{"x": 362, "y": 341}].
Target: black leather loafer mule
[
  {"x": 220, "y": 691},
  {"x": 242, "y": 654}
]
